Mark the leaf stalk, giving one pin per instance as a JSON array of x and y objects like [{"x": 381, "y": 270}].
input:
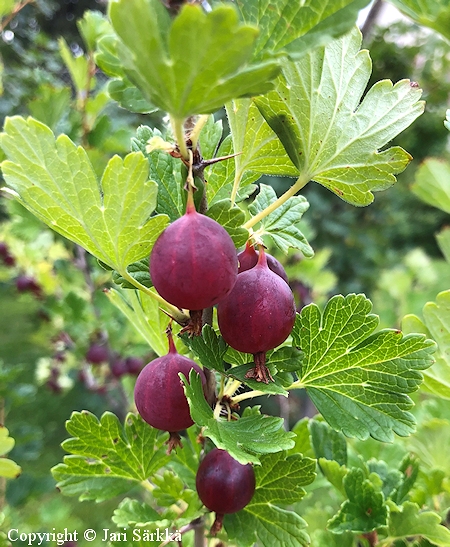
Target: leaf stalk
[{"x": 299, "y": 184}]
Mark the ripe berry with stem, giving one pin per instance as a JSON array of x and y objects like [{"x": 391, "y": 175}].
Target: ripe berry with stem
[
  {"x": 258, "y": 315},
  {"x": 193, "y": 264},
  {"x": 159, "y": 393},
  {"x": 224, "y": 485}
]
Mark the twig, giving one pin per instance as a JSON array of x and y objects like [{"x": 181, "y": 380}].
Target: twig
[{"x": 371, "y": 18}]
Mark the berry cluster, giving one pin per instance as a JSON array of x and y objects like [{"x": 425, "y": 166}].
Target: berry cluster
[{"x": 194, "y": 265}]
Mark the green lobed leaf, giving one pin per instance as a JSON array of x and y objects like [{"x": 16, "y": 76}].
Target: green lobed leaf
[
  {"x": 359, "y": 380},
  {"x": 391, "y": 478},
  {"x": 443, "y": 241},
  {"x": 131, "y": 512},
  {"x": 329, "y": 135},
  {"x": 107, "y": 458},
  {"x": 409, "y": 468},
  {"x": 93, "y": 26},
  {"x": 299, "y": 26},
  {"x": 408, "y": 521},
  {"x": 430, "y": 13},
  {"x": 431, "y": 444},
  {"x": 327, "y": 443},
  {"x": 219, "y": 49},
  {"x": 279, "y": 480},
  {"x": 269, "y": 525},
  {"x": 281, "y": 225},
  {"x": 364, "y": 510},
  {"x": 437, "y": 326},
  {"x": 334, "y": 473},
  {"x": 432, "y": 183},
  {"x": 247, "y": 438},
  {"x": 231, "y": 217},
  {"x": 210, "y": 348},
  {"x": 54, "y": 179}
]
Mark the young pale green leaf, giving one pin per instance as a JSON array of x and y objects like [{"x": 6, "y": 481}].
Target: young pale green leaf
[
  {"x": 364, "y": 510},
  {"x": 107, "y": 458},
  {"x": 334, "y": 473},
  {"x": 432, "y": 183},
  {"x": 281, "y": 225},
  {"x": 268, "y": 525},
  {"x": 437, "y": 326},
  {"x": 193, "y": 64},
  {"x": 247, "y": 438},
  {"x": 231, "y": 217},
  {"x": 327, "y": 443},
  {"x": 297, "y": 27},
  {"x": 408, "y": 521},
  {"x": 54, "y": 179},
  {"x": 431, "y": 444},
  {"x": 447, "y": 119},
  {"x": 131, "y": 512},
  {"x": 210, "y": 348},
  {"x": 93, "y": 26},
  {"x": 434, "y": 14},
  {"x": 359, "y": 381},
  {"x": 145, "y": 315},
  {"x": 259, "y": 149},
  {"x": 391, "y": 478},
  {"x": 332, "y": 137},
  {"x": 221, "y": 177}
]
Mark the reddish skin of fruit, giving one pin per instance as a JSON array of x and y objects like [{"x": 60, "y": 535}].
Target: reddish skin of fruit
[
  {"x": 133, "y": 365},
  {"x": 248, "y": 258},
  {"x": 119, "y": 368},
  {"x": 96, "y": 354},
  {"x": 224, "y": 485},
  {"x": 159, "y": 393},
  {"x": 258, "y": 315},
  {"x": 193, "y": 264}
]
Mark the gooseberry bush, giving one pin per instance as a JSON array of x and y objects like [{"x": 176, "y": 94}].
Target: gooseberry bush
[{"x": 183, "y": 227}]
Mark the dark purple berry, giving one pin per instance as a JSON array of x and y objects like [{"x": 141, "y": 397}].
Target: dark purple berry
[
  {"x": 134, "y": 365},
  {"x": 248, "y": 258},
  {"x": 97, "y": 354},
  {"x": 224, "y": 485},
  {"x": 159, "y": 393},
  {"x": 258, "y": 314},
  {"x": 193, "y": 264}
]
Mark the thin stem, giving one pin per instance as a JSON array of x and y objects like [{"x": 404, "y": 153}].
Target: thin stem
[
  {"x": 231, "y": 388},
  {"x": 173, "y": 311},
  {"x": 14, "y": 12},
  {"x": 300, "y": 183},
  {"x": 248, "y": 395},
  {"x": 195, "y": 133},
  {"x": 178, "y": 130},
  {"x": 91, "y": 68}
]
